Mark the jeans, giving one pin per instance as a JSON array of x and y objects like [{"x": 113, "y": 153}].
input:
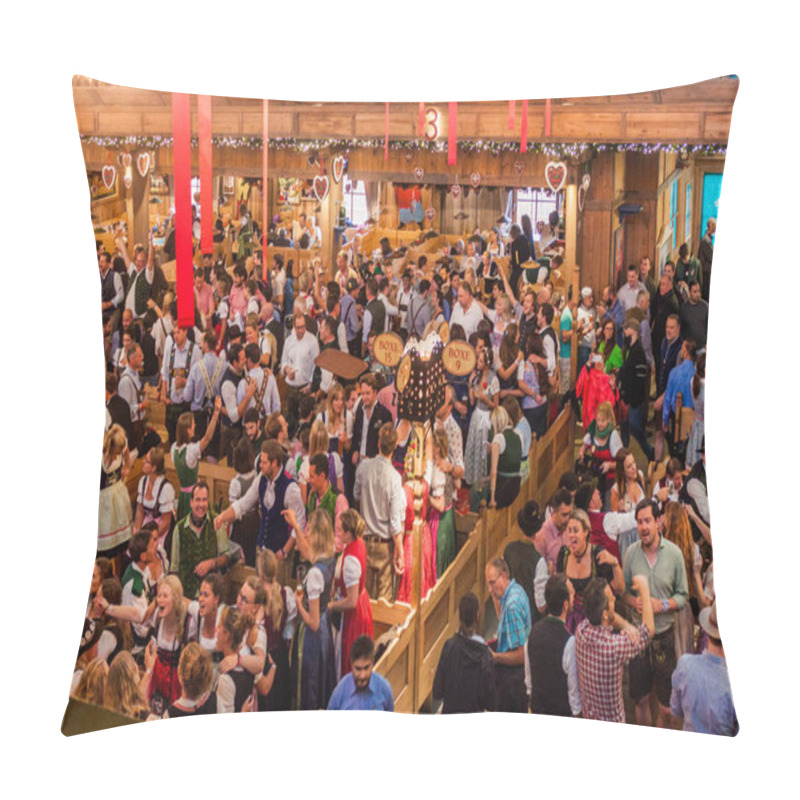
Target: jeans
[{"x": 635, "y": 425}]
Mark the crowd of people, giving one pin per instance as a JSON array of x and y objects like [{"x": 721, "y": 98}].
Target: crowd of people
[{"x": 261, "y": 600}]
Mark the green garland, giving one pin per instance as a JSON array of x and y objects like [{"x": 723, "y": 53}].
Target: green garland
[{"x": 582, "y": 150}]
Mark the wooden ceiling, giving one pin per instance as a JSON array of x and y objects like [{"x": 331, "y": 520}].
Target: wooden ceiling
[{"x": 696, "y": 114}]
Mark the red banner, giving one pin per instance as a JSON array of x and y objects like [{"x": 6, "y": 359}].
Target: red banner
[
  {"x": 386, "y": 136},
  {"x": 182, "y": 175},
  {"x": 206, "y": 175},
  {"x": 523, "y": 136},
  {"x": 265, "y": 192},
  {"x": 512, "y": 112},
  {"x": 452, "y": 133},
  {"x": 547, "y": 129},
  {"x": 421, "y": 123}
]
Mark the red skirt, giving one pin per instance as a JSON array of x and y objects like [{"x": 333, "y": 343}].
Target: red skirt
[
  {"x": 165, "y": 682},
  {"x": 354, "y": 624}
]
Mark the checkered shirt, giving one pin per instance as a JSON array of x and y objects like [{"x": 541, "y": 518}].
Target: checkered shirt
[
  {"x": 514, "y": 625},
  {"x": 601, "y": 655}
]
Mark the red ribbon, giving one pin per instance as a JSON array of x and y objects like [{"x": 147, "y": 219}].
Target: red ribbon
[
  {"x": 547, "y": 117},
  {"x": 452, "y": 133},
  {"x": 512, "y": 110},
  {"x": 265, "y": 191},
  {"x": 204, "y": 159},
  {"x": 523, "y": 136},
  {"x": 421, "y": 123},
  {"x": 386, "y": 136},
  {"x": 182, "y": 174}
]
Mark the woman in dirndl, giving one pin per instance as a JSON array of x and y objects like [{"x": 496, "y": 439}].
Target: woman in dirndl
[
  {"x": 440, "y": 518},
  {"x": 115, "y": 516}
]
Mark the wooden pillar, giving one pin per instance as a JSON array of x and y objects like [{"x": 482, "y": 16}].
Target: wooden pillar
[
  {"x": 331, "y": 206},
  {"x": 571, "y": 214},
  {"x": 576, "y": 302}
]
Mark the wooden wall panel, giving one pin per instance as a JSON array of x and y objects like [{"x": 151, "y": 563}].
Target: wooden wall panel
[
  {"x": 717, "y": 126},
  {"x": 586, "y": 127},
  {"x": 663, "y": 127}
]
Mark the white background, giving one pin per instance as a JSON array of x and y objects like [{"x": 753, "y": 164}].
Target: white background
[{"x": 341, "y": 51}]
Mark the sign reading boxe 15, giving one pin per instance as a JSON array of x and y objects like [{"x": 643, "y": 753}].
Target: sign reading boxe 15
[{"x": 388, "y": 349}]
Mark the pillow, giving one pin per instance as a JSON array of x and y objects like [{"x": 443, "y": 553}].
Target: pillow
[{"x": 206, "y": 598}]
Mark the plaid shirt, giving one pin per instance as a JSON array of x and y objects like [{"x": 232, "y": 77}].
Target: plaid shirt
[
  {"x": 601, "y": 655},
  {"x": 515, "y": 618}
]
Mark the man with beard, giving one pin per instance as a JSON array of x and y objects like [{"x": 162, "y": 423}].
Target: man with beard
[
  {"x": 362, "y": 689},
  {"x": 662, "y": 307}
]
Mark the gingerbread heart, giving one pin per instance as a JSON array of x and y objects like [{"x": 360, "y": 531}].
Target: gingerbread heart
[
  {"x": 128, "y": 180},
  {"x": 430, "y": 213},
  {"x": 419, "y": 173},
  {"x": 555, "y": 173},
  {"x": 143, "y": 163},
  {"x": 321, "y": 186},
  {"x": 126, "y": 160},
  {"x": 109, "y": 175},
  {"x": 581, "y": 197},
  {"x": 587, "y": 181},
  {"x": 455, "y": 190},
  {"x": 338, "y": 168},
  {"x": 519, "y": 167},
  {"x": 475, "y": 180}
]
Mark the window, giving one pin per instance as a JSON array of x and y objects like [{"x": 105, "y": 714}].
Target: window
[
  {"x": 537, "y": 204},
  {"x": 354, "y": 200},
  {"x": 687, "y": 222},
  {"x": 673, "y": 212}
]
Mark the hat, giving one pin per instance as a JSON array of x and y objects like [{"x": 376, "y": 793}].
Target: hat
[
  {"x": 352, "y": 284},
  {"x": 708, "y": 620},
  {"x": 530, "y": 518},
  {"x": 586, "y": 291},
  {"x": 584, "y": 494}
]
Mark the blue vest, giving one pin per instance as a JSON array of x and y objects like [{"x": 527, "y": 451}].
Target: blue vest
[{"x": 274, "y": 531}]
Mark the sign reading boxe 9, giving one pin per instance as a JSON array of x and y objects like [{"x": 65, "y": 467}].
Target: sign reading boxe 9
[
  {"x": 459, "y": 358},
  {"x": 388, "y": 349}
]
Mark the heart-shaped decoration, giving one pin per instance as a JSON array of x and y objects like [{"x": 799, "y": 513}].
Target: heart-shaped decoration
[
  {"x": 109, "y": 175},
  {"x": 587, "y": 181},
  {"x": 128, "y": 180},
  {"x": 338, "y": 168},
  {"x": 93, "y": 189},
  {"x": 126, "y": 160},
  {"x": 409, "y": 156},
  {"x": 419, "y": 173},
  {"x": 475, "y": 180},
  {"x": 519, "y": 167},
  {"x": 455, "y": 190},
  {"x": 555, "y": 173},
  {"x": 143, "y": 163},
  {"x": 430, "y": 213},
  {"x": 581, "y": 197},
  {"x": 321, "y": 186}
]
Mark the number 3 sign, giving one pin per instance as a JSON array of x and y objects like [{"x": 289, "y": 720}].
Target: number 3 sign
[{"x": 432, "y": 124}]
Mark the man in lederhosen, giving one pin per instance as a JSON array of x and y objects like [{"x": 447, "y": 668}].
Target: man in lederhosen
[{"x": 180, "y": 355}]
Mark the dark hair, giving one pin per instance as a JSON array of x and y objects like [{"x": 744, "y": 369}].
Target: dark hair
[
  {"x": 561, "y": 497},
  {"x": 111, "y": 382},
  {"x": 633, "y": 268},
  {"x": 369, "y": 379},
  {"x": 648, "y": 502},
  {"x": 331, "y": 324},
  {"x": 305, "y": 406},
  {"x": 215, "y": 581},
  {"x": 240, "y": 270},
  {"x": 457, "y": 333},
  {"x": 320, "y": 463},
  {"x": 568, "y": 481},
  {"x": 201, "y": 485},
  {"x": 424, "y": 285},
  {"x": 556, "y": 593},
  {"x": 233, "y": 352},
  {"x": 252, "y": 353},
  {"x": 272, "y": 450},
  {"x": 278, "y": 259},
  {"x": 243, "y": 456},
  {"x": 691, "y": 348},
  {"x": 548, "y": 312},
  {"x": 210, "y": 338},
  {"x": 330, "y": 302},
  {"x": 251, "y": 415},
  {"x": 683, "y": 250},
  {"x": 363, "y": 647},
  {"x": 372, "y": 287},
  {"x": 509, "y": 347},
  {"x": 140, "y": 541},
  {"x": 595, "y": 601},
  {"x": 468, "y": 610}
]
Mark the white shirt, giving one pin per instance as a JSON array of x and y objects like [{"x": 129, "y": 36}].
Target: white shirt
[
  {"x": 271, "y": 401},
  {"x": 181, "y": 362},
  {"x": 379, "y": 489},
  {"x": 161, "y": 330},
  {"x": 130, "y": 300},
  {"x": 391, "y": 311},
  {"x": 468, "y": 319},
  {"x": 291, "y": 499},
  {"x": 129, "y": 388},
  {"x": 299, "y": 355}
]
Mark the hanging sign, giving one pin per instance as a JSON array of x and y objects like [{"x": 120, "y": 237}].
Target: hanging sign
[
  {"x": 388, "y": 349},
  {"x": 143, "y": 163},
  {"x": 321, "y": 186},
  {"x": 459, "y": 358},
  {"x": 109, "y": 175},
  {"x": 555, "y": 173},
  {"x": 338, "y": 168}
]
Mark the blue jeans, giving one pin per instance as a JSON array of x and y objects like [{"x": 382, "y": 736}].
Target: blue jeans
[{"x": 635, "y": 425}]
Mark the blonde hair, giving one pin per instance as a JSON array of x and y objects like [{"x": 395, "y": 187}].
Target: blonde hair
[
  {"x": 504, "y": 307},
  {"x": 92, "y": 684},
  {"x": 320, "y": 532},
  {"x": 607, "y": 410},
  {"x": 440, "y": 442},
  {"x": 318, "y": 439},
  {"x": 469, "y": 278},
  {"x": 267, "y": 569},
  {"x": 336, "y": 390},
  {"x": 195, "y": 671},
  {"x": 500, "y": 420},
  {"x": 122, "y": 688},
  {"x": 182, "y": 428},
  {"x": 178, "y": 609},
  {"x": 304, "y": 280},
  {"x": 114, "y": 442},
  {"x": 353, "y": 523}
]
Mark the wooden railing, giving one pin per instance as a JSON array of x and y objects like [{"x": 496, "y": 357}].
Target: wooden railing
[{"x": 409, "y": 664}]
